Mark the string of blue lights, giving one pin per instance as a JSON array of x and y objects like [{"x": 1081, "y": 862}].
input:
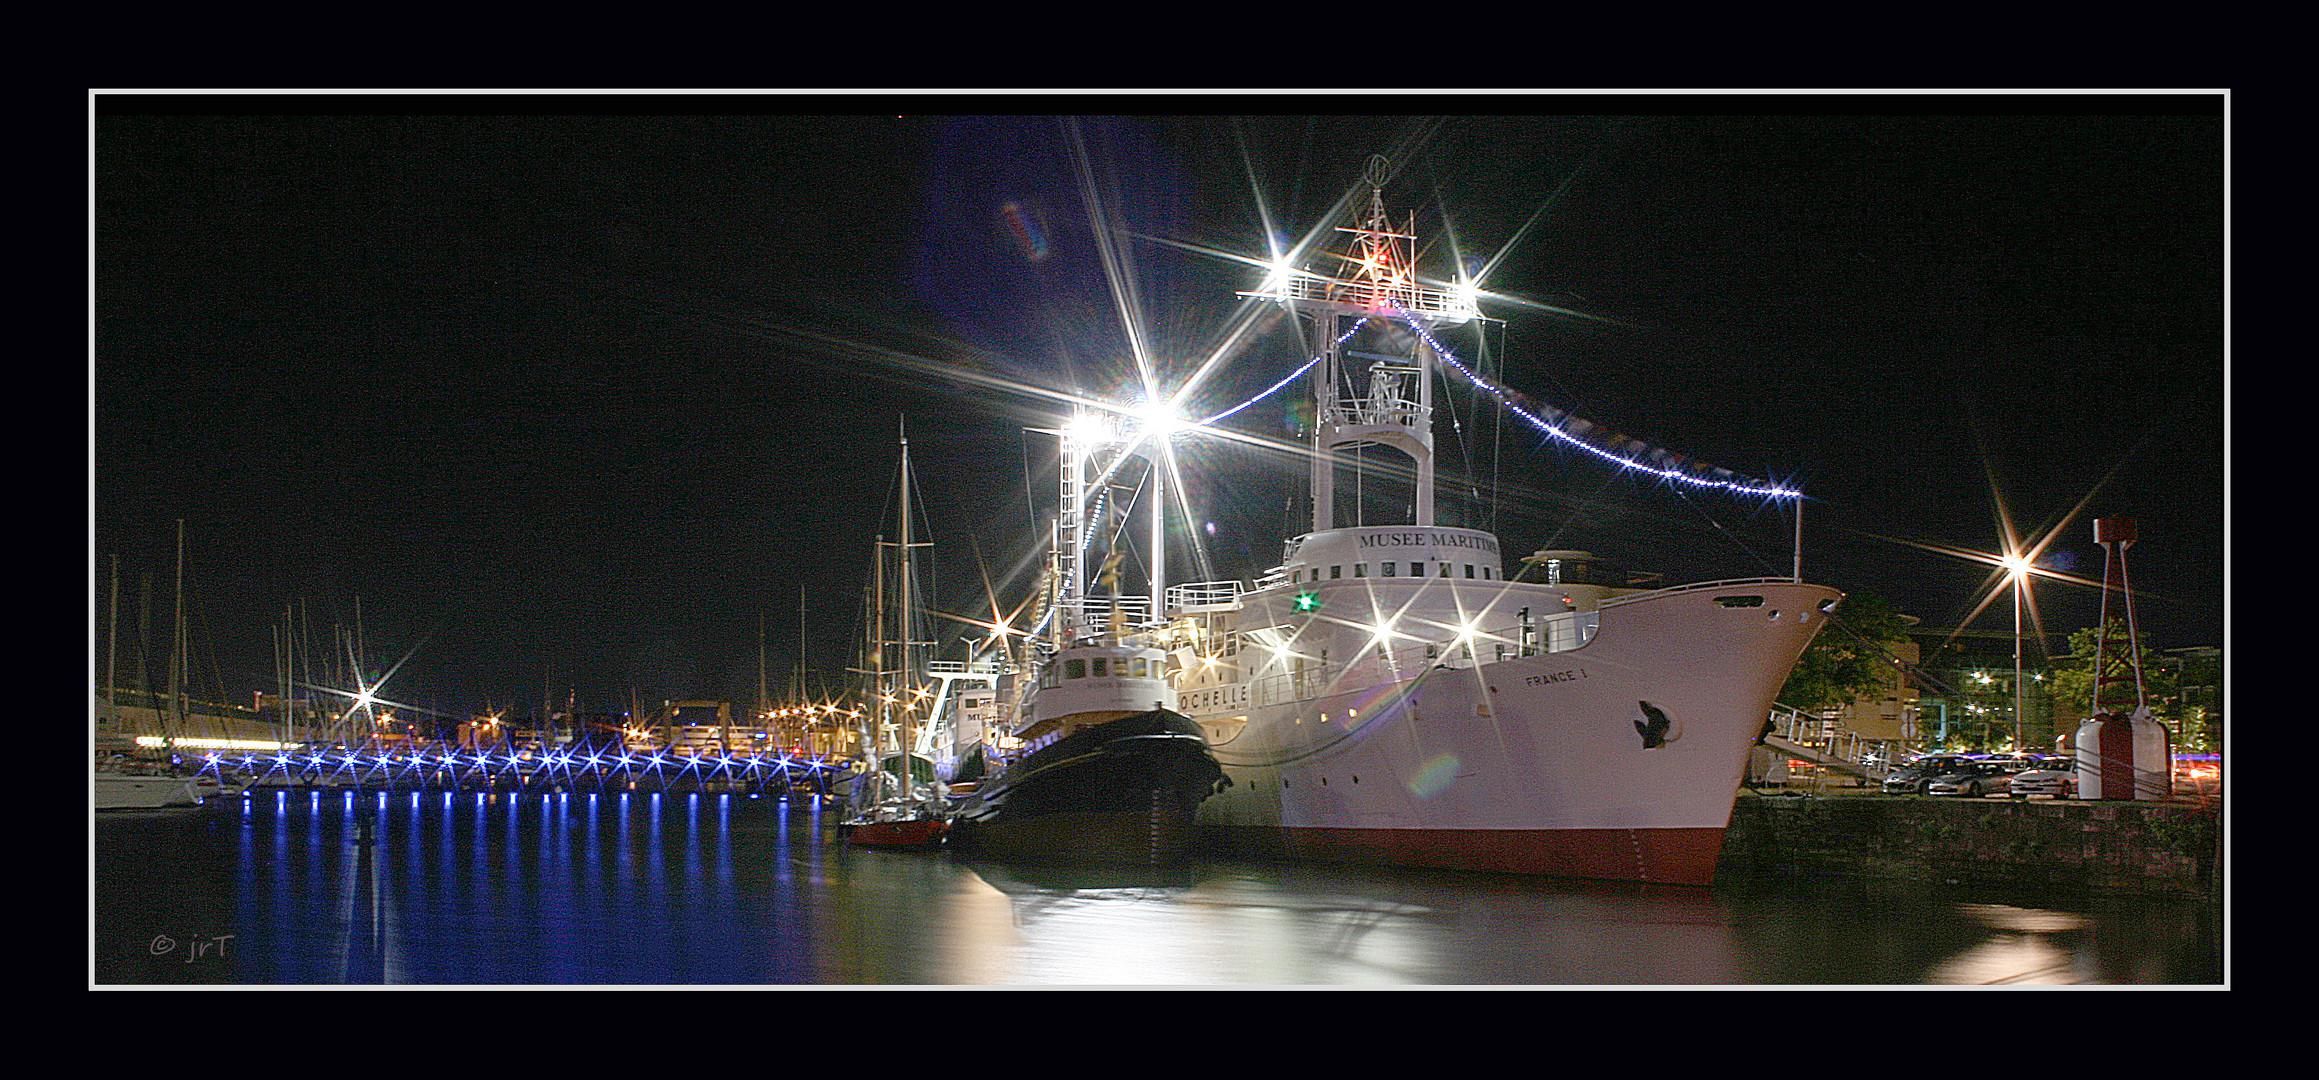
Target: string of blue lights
[{"x": 1506, "y": 398}]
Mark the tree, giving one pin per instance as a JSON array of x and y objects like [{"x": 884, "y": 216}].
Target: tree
[{"x": 1850, "y": 659}]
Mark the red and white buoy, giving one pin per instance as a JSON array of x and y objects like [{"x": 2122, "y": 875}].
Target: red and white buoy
[{"x": 2123, "y": 752}]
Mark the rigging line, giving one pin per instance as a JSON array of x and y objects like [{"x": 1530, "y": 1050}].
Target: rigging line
[
  {"x": 1577, "y": 507},
  {"x": 1914, "y": 672},
  {"x": 1497, "y": 428},
  {"x": 1124, "y": 509},
  {"x": 1030, "y": 505},
  {"x": 1726, "y": 531},
  {"x": 1458, "y": 431}
]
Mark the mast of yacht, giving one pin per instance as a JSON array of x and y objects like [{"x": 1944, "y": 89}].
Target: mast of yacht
[
  {"x": 797, "y": 690},
  {"x": 174, "y": 727},
  {"x": 282, "y": 681},
  {"x": 113, "y": 638},
  {"x": 145, "y": 640},
  {"x": 882, "y": 696},
  {"x": 909, "y": 631}
]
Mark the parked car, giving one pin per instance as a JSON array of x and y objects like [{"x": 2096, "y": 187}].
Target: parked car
[
  {"x": 2053, "y": 776},
  {"x": 2017, "y": 762},
  {"x": 1911, "y": 776},
  {"x": 1972, "y": 780}
]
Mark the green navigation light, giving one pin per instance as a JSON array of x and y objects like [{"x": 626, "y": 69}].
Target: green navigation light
[{"x": 1308, "y": 601}]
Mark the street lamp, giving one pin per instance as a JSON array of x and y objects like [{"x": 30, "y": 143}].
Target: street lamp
[{"x": 2017, "y": 567}]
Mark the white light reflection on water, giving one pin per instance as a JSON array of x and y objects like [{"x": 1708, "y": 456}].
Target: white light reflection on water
[
  {"x": 1300, "y": 926},
  {"x": 621, "y": 888},
  {"x": 2026, "y": 947}
]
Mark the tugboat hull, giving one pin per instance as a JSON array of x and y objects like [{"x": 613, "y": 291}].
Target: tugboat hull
[
  {"x": 914, "y": 833},
  {"x": 1120, "y": 793}
]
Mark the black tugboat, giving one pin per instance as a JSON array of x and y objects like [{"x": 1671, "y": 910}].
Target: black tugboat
[
  {"x": 1105, "y": 770},
  {"x": 1103, "y": 782}
]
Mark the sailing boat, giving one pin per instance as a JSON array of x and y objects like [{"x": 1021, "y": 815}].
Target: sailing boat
[
  {"x": 897, "y": 804},
  {"x": 119, "y": 780}
]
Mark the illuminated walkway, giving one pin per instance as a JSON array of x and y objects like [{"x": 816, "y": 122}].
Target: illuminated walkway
[{"x": 453, "y": 770}]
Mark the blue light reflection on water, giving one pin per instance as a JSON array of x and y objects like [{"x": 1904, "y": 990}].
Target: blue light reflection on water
[{"x": 614, "y": 888}]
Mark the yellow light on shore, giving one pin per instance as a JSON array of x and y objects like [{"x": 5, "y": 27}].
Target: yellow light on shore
[{"x": 157, "y": 742}]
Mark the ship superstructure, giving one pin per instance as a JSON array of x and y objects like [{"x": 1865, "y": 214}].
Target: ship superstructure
[{"x": 1390, "y": 692}]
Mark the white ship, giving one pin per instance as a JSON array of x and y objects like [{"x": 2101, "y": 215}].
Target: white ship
[
  {"x": 119, "y": 788},
  {"x": 1390, "y": 693}
]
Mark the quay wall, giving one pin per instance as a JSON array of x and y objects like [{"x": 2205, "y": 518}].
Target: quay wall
[{"x": 2149, "y": 848}]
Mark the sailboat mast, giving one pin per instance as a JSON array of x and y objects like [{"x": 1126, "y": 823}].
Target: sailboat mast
[
  {"x": 281, "y": 684},
  {"x": 177, "y": 650},
  {"x": 884, "y": 702},
  {"x": 909, "y": 668},
  {"x": 113, "y": 635}
]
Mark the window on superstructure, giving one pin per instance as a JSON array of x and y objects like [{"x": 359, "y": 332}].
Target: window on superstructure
[
  {"x": 1135, "y": 668},
  {"x": 1102, "y": 665},
  {"x": 1469, "y": 570},
  {"x": 1074, "y": 669},
  {"x": 1360, "y": 569},
  {"x": 1416, "y": 569},
  {"x": 1336, "y": 572},
  {"x": 1445, "y": 569},
  {"x": 1389, "y": 568}
]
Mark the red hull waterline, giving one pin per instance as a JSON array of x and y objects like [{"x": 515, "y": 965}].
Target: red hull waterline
[
  {"x": 1659, "y": 856},
  {"x": 899, "y": 834}
]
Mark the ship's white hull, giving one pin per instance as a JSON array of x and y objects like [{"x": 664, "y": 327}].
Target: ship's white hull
[
  {"x": 120, "y": 791},
  {"x": 1618, "y": 759}
]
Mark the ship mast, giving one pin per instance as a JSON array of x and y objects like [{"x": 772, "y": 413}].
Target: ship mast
[
  {"x": 909, "y": 668},
  {"x": 1390, "y": 404},
  {"x": 886, "y": 692},
  {"x": 1071, "y": 528}
]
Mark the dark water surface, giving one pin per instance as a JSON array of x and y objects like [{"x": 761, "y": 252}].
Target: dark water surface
[{"x": 467, "y": 889}]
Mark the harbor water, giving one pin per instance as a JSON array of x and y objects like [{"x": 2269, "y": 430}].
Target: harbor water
[{"x": 435, "y": 888}]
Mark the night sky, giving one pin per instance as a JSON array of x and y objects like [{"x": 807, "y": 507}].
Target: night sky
[{"x": 576, "y": 393}]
